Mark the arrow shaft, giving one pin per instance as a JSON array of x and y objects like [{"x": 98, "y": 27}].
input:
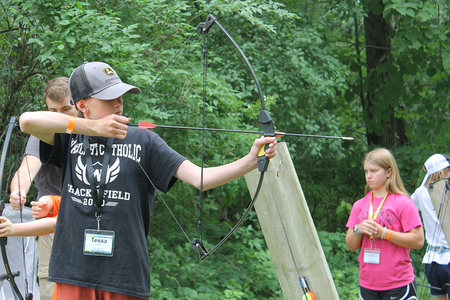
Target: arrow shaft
[
  {"x": 201, "y": 128},
  {"x": 279, "y": 134}
]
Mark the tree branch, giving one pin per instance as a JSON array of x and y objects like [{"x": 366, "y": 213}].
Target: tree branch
[{"x": 8, "y": 30}]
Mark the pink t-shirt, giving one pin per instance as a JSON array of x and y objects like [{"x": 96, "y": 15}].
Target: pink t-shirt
[{"x": 398, "y": 213}]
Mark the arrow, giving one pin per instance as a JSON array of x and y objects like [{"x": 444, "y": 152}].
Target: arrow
[
  {"x": 305, "y": 293},
  {"x": 148, "y": 125},
  {"x": 308, "y": 294}
]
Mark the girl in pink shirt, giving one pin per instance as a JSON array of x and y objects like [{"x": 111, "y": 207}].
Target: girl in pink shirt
[{"x": 384, "y": 225}]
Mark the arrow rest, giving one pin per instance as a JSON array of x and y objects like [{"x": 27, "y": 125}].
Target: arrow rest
[{"x": 266, "y": 123}]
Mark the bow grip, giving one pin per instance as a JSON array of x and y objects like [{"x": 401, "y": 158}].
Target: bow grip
[
  {"x": 2, "y": 207},
  {"x": 263, "y": 161}
]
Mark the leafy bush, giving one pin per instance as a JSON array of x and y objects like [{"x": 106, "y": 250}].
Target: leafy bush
[{"x": 241, "y": 269}]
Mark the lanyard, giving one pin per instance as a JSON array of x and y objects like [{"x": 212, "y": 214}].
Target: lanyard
[
  {"x": 378, "y": 209},
  {"x": 97, "y": 196}
]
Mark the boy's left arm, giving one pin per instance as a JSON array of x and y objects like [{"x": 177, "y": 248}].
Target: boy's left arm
[{"x": 216, "y": 176}]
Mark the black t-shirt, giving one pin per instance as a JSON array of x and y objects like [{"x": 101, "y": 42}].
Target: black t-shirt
[{"x": 126, "y": 208}]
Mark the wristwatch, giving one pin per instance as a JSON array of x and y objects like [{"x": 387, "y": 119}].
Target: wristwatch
[{"x": 355, "y": 230}]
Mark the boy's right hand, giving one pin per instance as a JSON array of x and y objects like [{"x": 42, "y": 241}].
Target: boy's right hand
[{"x": 112, "y": 126}]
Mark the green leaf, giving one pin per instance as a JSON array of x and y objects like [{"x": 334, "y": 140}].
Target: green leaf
[
  {"x": 431, "y": 71},
  {"x": 446, "y": 63},
  {"x": 349, "y": 95},
  {"x": 376, "y": 9},
  {"x": 27, "y": 5},
  {"x": 37, "y": 41},
  {"x": 70, "y": 39}
]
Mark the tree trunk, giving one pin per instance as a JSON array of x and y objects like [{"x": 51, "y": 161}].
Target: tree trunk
[{"x": 381, "y": 128}]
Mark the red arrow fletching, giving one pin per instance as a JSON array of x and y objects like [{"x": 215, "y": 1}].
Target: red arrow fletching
[{"x": 146, "y": 125}]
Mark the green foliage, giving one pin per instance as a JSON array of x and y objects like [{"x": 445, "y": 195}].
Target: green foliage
[
  {"x": 310, "y": 59},
  {"x": 241, "y": 269},
  {"x": 343, "y": 264}
]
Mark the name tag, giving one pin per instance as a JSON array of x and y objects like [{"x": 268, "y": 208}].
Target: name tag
[
  {"x": 98, "y": 242},
  {"x": 372, "y": 256}
]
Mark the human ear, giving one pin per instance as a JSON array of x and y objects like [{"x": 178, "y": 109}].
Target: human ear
[
  {"x": 81, "y": 105},
  {"x": 389, "y": 172}
]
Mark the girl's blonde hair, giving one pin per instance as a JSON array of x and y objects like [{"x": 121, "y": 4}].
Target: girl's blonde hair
[
  {"x": 384, "y": 159},
  {"x": 436, "y": 176}
]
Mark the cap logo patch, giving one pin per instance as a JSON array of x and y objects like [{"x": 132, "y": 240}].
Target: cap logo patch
[{"x": 109, "y": 71}]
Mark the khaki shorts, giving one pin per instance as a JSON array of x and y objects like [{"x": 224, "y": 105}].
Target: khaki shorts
[{"x": 44, "y": 246}]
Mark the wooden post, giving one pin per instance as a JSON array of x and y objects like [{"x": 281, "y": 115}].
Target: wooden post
[{"x": 289, "y": 230}]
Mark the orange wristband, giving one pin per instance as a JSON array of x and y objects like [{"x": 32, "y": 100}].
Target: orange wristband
[
  {"x": 389, "y": 235},
  {"x": 71, "y": 126}
]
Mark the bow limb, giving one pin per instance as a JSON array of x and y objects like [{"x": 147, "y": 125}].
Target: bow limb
[
  {"x": 265, "y": 120},
  {"x": 3, "y": 240},
  {"x": 198, "y": 244}
]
